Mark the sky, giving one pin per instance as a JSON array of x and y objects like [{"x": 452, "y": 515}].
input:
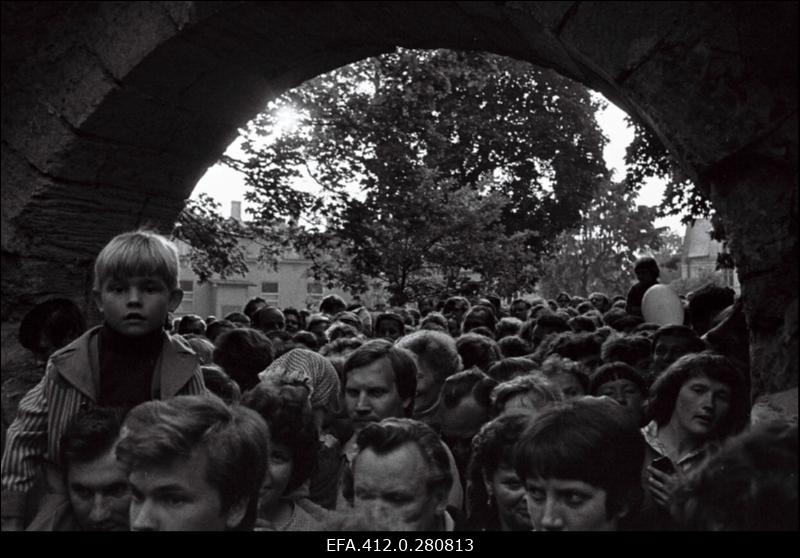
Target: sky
[{"x": 226, "y": 185}]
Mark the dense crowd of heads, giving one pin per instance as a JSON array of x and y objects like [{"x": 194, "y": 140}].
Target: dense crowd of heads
[{"x": 462, "y": 412}]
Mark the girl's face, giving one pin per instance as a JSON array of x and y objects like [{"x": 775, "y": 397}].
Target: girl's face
[
  {"x": 509, "y": 497},
  {"x": 280, "y": 464}
]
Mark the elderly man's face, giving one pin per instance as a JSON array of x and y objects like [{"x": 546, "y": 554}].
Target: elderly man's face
[{"x": 394, "y": 487}]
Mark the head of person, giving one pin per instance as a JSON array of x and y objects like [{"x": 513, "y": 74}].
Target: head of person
[
  {"x": 519, "y": 309},
  {"x": 702, "y": 395},
  {"x": 510, "y": 368},
  {"x": 622, "y": 383},
  {"x": 633, "y": 350},
  {"x": 548, "y": 324},
  {"x": 242, "y": 354},
  {"x": 434, "y": 321},
  {"x": 580, "y": 324},
  {"x": 580, "y": 347},
  {"x": 208, "y": 457},
  {"x": 217, "y": 328},
  {"x": 477, "y": 350},
  {"x": 600, "y": 301},
  {"x": 293, "y": 443},
  {"x": 136, "y": 282},
  {"x": 570, "y": 376},
  {"x": 425, "y": 306},
  {"x": 317, "y": 324},
  {"x": 220, "y": 384},
  {"x": 508, "y": 326},
  {"x": 463, "y": 408},
  {"x": 350, "y": 319},
  {"x": 437, "y": 358},
  {"x": 496, "y": 498},
  {"x": 310, "y": 373},
  {"x": 389, "y": 325},
  {"x": 340, "y": 330},
  {"x": 269, "y": 318},
  {"x": 705, "y": 303},
  {"x": 580, "y": 462},
  {"x": 750, "y": 484},
  {"x": 239, "y": 319},
  {"x": 51, "y": 325},
  {"x": 307, "y": 340},
  {"x": 454, "y": 310},
  {"x": 380, "y": 381},
  {"x": 293, "y": 322},
  {"x": 670, "y": 343},
  {"x": 252, "y": 306},
  {"x": 402, "y": 471},
  {"x": 528, "y": 394},
  {"x": 97, "y": 483},
  {"x": 563, "y": 300},
  {"x": 191, "y": 324},
  {"x": 332, "y": 304},
  {"x": 646, "y": 270},
  {"x": 513, "y": 346},
  {"x": 203, "y": 348},
  {"x": 281, "y": 341},
  {"x": 479, "y": 316}
]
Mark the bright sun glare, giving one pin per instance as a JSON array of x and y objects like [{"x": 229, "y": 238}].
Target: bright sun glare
[{"x": 287, "y": 119}]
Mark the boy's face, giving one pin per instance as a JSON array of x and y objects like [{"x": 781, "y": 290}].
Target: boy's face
[
  {"x": 178, "y": 497},
  {"x": 136, "y": 306}
]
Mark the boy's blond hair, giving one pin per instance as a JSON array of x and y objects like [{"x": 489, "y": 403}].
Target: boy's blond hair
[{"x": 137, "y": 253}]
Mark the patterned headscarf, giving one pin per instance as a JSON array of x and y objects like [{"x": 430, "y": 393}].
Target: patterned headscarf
[{"x": 304, "y": 367}]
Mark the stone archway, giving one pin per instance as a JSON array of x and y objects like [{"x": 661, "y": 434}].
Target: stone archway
[{"x": 112, "y": 111}]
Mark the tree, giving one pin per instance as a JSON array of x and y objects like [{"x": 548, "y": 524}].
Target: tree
[
  {"x": 420, "y": 133},
  {"x": 599, "y": 254}
]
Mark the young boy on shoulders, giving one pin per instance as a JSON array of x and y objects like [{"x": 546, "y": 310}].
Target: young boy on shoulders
[{"x": 126, "y": 361}]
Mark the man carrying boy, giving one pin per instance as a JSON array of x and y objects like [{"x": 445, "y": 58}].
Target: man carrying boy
[{"x": 128, "y": 360}]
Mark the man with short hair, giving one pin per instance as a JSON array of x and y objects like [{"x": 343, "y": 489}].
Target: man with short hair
[
  {"x": 97, "y": 494},
  {"x": 401, "y": 476},
  {"x": 195, "y": 464}
]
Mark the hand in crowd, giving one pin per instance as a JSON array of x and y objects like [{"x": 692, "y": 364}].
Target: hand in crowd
[{"x": 662, "y": 485}]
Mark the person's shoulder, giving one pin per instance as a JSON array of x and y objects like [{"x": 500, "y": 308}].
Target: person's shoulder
[{"x": 76, "y": 346}]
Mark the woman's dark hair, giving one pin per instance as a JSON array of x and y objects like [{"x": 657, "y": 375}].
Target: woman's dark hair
[
  {"x": 291, "y": 425},
  {"x": 588, "y": 440},
  {"x": 332, "y": 304},
  {"x": 616, "y": 371},
  {"x": 513, "y": 346},
  {"x": 242, "y": 354},
  {"x": 647, "y": 263},
  {"x": 509, "y": 367},
  {"x": 492, "y": 448},
  {"x": 433, "y": 318},
  {"x": 665, "y": 389},
  {"x": 253, "y": 305}
]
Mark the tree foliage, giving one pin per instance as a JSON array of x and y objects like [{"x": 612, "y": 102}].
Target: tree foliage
[
  {"x": 599, "y": 254},
  {"x": 426, "y": 163}
]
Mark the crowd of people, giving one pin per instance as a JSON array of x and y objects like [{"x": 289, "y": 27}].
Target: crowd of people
[{"x": 440, "y": 415}]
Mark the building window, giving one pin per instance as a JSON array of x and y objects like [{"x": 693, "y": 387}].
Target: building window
[{"x": 269, "y": 292}]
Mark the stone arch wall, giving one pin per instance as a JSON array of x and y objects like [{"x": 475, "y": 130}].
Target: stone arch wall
[{"x": 112, "y": 112}]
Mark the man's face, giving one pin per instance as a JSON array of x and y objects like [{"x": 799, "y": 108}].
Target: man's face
[
  {"x": 370, "y": 394},
  {"x": 520, "y": 311},
  {"x": 98, "y": 492},
  {"x": 178, "y": 497},
  {"x": 136, "y": 306},
  {"x": 667, "y": 350},
  {"x": 395, "y": 485},
  {"x": 568, "y": 505},
  {"x": 701, "y": 406}
]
